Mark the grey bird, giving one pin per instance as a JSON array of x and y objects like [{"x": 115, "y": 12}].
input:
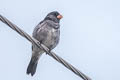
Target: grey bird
[{"x": 48, "y": 33}]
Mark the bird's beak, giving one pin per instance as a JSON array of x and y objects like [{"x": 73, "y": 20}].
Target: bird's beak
[{"x": 59, "y": 16}]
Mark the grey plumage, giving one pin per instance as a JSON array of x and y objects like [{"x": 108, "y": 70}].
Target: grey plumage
[{"x": 47, "y": 32}]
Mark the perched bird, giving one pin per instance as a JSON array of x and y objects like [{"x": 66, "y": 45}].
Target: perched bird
[{"x": 48, "y": 33}]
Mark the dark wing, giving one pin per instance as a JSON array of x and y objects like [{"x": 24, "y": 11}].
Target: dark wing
[{"x": 41, "y": 30}]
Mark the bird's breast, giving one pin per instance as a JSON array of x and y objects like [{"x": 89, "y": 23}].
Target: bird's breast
[{"x": 52, "y": 38}]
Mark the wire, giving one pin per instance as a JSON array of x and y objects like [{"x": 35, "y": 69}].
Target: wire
[{"x": 42, "y": 46}]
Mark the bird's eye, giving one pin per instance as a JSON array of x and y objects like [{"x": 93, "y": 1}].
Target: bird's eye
[{"x": 56, "y": 14}]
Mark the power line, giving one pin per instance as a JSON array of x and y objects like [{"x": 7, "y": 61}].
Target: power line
[{"x": 42, "y": 46}]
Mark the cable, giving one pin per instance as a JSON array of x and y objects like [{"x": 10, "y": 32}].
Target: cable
[{"x": 42, "y": 46}]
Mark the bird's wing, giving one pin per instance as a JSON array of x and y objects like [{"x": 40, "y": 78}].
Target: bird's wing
[{"x": 41, "y": 30}]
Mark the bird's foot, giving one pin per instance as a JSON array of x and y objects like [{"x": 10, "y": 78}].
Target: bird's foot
[{"x": 48, "y": 52}]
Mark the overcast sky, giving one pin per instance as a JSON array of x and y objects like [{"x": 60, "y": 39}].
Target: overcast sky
[{"x": 90, "y": 39}]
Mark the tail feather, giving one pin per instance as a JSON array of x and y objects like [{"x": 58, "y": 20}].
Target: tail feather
[
  {"x": 32, "y": 66},
  {"x": 36, "y": 53}
]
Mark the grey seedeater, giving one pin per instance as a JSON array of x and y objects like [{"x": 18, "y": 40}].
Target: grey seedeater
[{"x": 48, "y": 33}]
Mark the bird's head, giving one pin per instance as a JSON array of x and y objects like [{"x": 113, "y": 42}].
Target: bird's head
[{"x": 54, "y": 16}]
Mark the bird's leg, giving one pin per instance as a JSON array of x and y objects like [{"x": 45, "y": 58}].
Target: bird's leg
[{"x": 48, "y": 52}]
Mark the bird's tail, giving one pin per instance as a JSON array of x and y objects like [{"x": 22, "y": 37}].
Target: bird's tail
[{"x": 32, "y": 65}]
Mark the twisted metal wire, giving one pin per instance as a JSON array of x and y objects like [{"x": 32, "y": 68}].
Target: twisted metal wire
[{"x": 42, "y": 46}]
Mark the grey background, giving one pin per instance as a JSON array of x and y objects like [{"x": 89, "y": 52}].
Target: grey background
[{"x": 90, "y": 39}]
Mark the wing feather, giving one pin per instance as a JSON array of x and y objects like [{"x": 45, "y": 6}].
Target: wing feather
[{"x": 40, "y": 32}]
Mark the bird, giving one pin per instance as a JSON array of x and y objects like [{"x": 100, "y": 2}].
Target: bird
[{"x": 46, "y": 32}]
